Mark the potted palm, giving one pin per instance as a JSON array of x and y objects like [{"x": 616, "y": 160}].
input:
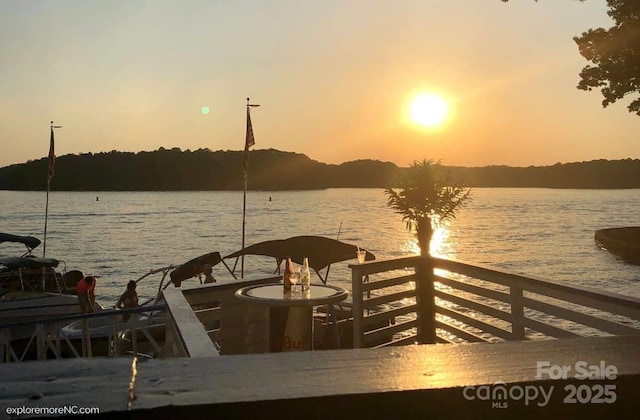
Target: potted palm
[{"x": 425, "y": 198}]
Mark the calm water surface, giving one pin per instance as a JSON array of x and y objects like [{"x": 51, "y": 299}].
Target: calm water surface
[{"x": 540, "y": 232}]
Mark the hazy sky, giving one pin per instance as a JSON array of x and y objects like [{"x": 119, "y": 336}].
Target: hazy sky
[{"x": 333, "y": 79}]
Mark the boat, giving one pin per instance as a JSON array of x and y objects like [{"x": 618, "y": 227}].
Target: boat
[
  {"x": 148, "y": 327},
  {"x": 31, "y": 289},
  {"x": 27, "y": 272},
  {"x": 622, "y": 241},
  {"x": 320, "y": 251}
]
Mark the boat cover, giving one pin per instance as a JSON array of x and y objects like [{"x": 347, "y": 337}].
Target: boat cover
[
  {"x": 320, "y": 251},
  {"x": 28, "y": 241},
  {"x": 194, "y": 267},
  {"x": 16, "y": 263}
]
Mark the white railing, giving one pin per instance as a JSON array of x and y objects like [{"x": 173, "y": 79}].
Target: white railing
[
  {"x": 103, "y": 333},
  {"x": 414, "y": 299}
]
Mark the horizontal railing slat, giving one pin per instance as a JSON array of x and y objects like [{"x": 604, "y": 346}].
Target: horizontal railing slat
[
  {"x": 404, "y": 341},
  {"x": 388, "y": 332},
  {"x": 460, "y": 333},
  {"x": 548, "y": 329},
  {"x": 475, "y": 323},
  {"x": 380, "y": 266},
  {"x": 580, "y": 318},
  {"x": 394, "y": 281},
  {"x": 586, "y": 300},
  {"x": 385, "y": 315},
  {"x": 387, "y": 298},
  {"x": 477, "y": 290},
  {"x": 479, "y": 307},
  {"x": 598, "y": 299}
]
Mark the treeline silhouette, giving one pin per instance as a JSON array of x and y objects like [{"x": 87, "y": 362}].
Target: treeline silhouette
[
  {"x": 270, "y": 169},
  {"x": 200, "y": 170}
]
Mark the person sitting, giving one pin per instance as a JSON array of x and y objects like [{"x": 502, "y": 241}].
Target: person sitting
[
  {"x": 129, "y": 299},
  {"x": 85, "y": 289}
]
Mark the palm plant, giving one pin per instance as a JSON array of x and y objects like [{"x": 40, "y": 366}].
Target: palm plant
[{"x": 424, "y": 198}]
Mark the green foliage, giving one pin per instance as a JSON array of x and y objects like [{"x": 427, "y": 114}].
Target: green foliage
[
  {"x": 424, "y": 197},
  {"x": 615, "y": 54}
]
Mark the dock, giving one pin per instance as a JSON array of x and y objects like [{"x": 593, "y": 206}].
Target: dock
[{"x": 429, "y": 337}]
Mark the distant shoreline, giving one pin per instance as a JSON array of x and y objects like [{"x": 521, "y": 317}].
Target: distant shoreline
[{"x": 274, "y": 170}]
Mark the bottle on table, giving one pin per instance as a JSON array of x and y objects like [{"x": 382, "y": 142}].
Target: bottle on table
[
  {"x": 287, "y": 274},
  {"x": 306, "y": 275}
]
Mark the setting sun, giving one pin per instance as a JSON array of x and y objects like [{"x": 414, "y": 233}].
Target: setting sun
[{"x": 428, "y": 110}]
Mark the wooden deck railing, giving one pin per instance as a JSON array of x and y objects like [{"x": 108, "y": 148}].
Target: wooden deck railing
[
  {"x": 397, "y": 301},
  {"x": 45, "y": 338},
  {"x": 207, "y": 317},
  {"x": 440, "y": 300}
]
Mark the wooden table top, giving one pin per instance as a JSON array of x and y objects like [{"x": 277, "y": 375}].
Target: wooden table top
[{"x": 275, "y": 295}]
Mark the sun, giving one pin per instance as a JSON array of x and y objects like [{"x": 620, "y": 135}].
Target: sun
[{"x": 428, "y": 110}]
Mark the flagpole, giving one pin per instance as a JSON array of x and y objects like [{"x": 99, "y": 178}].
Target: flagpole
[
  {"x": 249, "y": 141},
  {"x": 49, "y": 176}
]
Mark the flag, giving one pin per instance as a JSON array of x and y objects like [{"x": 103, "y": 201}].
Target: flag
[
  {"x": 249, "y": 141},
  {"x": 52, "y": 157}
]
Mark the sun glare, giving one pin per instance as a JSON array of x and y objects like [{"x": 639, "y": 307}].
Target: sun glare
[{"x": 428, "y": 110}]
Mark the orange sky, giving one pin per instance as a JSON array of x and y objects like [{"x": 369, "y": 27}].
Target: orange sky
[{"x": 333, "y": 78}]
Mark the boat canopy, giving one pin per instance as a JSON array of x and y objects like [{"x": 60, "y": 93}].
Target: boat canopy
[
  {"x": 321, "y": 251},
  {"x": 195, "y": 266},
  {"x": 29, "y": 241},
  {"x": 17, "y": 263}
]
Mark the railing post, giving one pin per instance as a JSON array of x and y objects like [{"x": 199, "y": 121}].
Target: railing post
[
  {"x": 4, "y": 345},
  {"x": 40, "y": 346},
  {"x": 58, "y": 344},
  {"x": 356, "y": 307},
  {"x": 86, "y": 339},
  {"x": 113, "y": 322},
  {"x": 517, "y": 312},
  {"x": 133, "y": 324},
  {"x": 425, "y": 299}
]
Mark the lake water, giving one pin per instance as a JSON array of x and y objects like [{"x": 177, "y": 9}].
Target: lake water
[{"x": 120, "y": 236}]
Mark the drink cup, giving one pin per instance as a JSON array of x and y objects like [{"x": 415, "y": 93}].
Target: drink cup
[{"x": 361, "y": 256}]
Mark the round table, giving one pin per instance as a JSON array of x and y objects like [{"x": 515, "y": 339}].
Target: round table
[{"x": 291, "y": 312}]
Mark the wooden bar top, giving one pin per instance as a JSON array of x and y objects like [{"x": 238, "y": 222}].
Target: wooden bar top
[
  {"x": 439, "y": 381},
  {"x": 275, "y": 295}
]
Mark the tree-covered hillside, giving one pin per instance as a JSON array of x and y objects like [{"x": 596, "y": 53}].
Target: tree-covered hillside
[{"x": 176, "y": 170}]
